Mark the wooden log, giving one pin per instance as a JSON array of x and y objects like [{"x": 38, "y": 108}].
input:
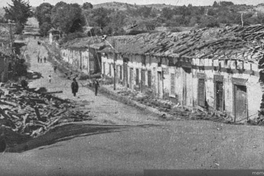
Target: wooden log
[
  {"x": 37, "y": 112},
  {"x": 7, "y": 103},
  {"x": 54, "y": 92}
]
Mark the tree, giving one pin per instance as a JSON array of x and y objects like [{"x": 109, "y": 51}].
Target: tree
[
  {"x": 43, "y": 13},
  {"x": 87, "y": 6},
  {"x": 44, "y": 28},
  {"x": 226, "y": 3},
  {"x": 19, "y": 12},
  {"x": 215, "y": 4},
  {"x": 100, "y": 17},
  {"x": 67, "y": 17}
]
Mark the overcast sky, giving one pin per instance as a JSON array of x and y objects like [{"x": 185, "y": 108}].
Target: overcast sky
[{"x": 172, "y": 2}]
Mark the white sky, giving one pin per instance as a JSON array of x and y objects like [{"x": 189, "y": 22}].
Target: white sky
[{"x": 172, "y": 2}]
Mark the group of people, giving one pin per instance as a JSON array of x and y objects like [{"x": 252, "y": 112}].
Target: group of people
[
  {"x": 40, "y": 59},
  {"x": 75, "y": 86}
]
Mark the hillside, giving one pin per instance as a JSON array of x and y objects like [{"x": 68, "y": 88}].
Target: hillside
[{"x": 126, "y": 6}]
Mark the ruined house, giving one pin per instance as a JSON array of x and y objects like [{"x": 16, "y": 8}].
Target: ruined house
[
  {"x": 211, "y": 68},
  {"x": 54, "y": 35},
  {"x": 81, "y": 56}
]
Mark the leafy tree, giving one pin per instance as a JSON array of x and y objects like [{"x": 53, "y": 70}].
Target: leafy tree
[
  {"x": 87, "y": 5},
  {"x": 19, "y": 12},
  {"x": 215, "y": 4},
  {"x": 144, "y": 11},
  {"x": 226, "y": 3},
  {"x": 167, "y": 13},
  {"x": 100, "y": 17},
  {"x": 43, "y": 13},
  {"x": 67, "y": 17},
  {"x": 44, "y": 28}
]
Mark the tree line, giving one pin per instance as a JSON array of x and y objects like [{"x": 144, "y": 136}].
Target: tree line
[{"x": 71, "y": 18}]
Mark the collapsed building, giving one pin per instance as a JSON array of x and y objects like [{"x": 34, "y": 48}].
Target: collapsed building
[
  {"x": 212, "y": 68},
  {"x": 217, "y": 68}
]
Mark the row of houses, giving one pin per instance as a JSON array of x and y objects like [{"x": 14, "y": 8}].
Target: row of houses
[
  {"x": 81, "y": 56},
  {"x": 211, "y": 68}
]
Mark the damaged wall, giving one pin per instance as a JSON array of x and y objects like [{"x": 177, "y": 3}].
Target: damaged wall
[
  {"x": 79, "y": 59},
  {"x": 233, "y": 78}
]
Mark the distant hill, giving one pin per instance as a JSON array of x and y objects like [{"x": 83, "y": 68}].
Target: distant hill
[
  {"x": 114, "y": 5},
  {"x": 125, "y": 6}
]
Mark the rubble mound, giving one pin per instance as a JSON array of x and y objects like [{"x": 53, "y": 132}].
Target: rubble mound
[{"x": 30, "y": 113}]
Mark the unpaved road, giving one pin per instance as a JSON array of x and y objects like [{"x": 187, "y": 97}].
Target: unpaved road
[{"x": 143, "y": 142}]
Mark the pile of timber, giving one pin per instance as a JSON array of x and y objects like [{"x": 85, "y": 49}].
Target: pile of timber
[{"x": 29, "y": 113}]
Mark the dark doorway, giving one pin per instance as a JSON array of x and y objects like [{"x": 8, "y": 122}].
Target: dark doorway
[
  {"x": 219, "y": 96},
  {"x": 240, "y": 100},
  {"x": 201, "y": 92}
]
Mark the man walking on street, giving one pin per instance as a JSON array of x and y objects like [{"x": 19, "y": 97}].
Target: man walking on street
[
  {"x": 74, "y": 87},
  {"x": 55, "y": 68},
  {"x": 49, "y": 78},
  {"x": 96, "y": 85}
]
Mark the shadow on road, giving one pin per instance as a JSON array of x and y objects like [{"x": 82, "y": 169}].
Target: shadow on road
[{"x": 67, "y": 132}]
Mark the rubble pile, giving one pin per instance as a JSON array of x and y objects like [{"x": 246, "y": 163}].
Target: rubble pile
[
  {"x": 29, "y": 113},
  {"x": 175, "y": 109}
]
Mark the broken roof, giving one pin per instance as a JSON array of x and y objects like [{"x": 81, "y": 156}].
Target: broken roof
[{"x": 242, "y": 43}]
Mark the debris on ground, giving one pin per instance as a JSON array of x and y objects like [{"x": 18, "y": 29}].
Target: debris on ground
[
  {"x": 29, "y": 113},
  {"x": 175, "y": 109}
]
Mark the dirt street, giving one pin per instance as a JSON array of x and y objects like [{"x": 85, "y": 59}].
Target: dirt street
[{"x": 139, "y": 141}]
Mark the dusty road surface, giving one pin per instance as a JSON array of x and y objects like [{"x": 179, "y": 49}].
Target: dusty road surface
[{"x": 134, "y": 140}]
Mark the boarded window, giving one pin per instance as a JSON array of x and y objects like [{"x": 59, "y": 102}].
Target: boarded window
[
  {"x": 137, "y": 76},
  {"x": 149, "y": 78},
  {"x": 121, "y": 73},
  {"x": 201, "y": 92},
  {"x": 219, "y": 94},
  {"x": 110, "y": 70},
  {"x": 143, "y": 58},
  {"x": 172, "y": 84},
  {"x": 104, "y": 68},
  {"x": 143, "y": 78},
  {"x": 131, "y": 78}
]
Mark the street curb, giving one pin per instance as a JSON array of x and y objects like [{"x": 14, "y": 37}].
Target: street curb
[{"x": 113, "y": 95}]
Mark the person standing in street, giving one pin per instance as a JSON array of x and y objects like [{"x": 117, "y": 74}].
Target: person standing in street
[
  {"x": 45, "y": 59},
  {"x": 96, "y": 86},
  {"x": 49, "y": 78},
  {"x": 74, "y": 87},
  {"x": 55, "y": 68}
]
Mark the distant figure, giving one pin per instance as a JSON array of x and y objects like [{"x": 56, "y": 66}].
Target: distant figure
[
  {"x": 96, "y": 86},
  {"x": 49, "y": 78},
  {"x": 38, "y": 59},
  {"x": 74, "y": 87},
  {"x": 55, "y": 68},
  {"x": 45, "y": 59}
]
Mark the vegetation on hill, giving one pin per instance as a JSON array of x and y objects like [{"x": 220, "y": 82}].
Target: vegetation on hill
[{"x": 123, "y": 18}]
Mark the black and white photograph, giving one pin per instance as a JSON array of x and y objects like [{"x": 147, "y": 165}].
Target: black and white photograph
[{"x": 131, "y": 88}]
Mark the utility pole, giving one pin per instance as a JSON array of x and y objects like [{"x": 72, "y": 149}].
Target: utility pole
[{"x": 115, "y": 57}]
